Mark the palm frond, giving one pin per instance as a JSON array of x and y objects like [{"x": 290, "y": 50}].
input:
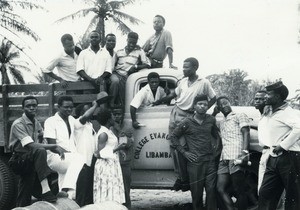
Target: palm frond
[
  {"x": 85, "y": 37},
  {"x": 122, "y": 3},
  {"x": 16, "y": 75},
  {"x": 124, "y": 16},
  {"x": 28, "y": 5},
  {"x": 121, "y": 25},
  {"x": 78, "y": 14}
]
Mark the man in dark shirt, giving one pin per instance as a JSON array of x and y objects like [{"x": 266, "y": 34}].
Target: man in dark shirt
[{"x": 200, "y": 132}]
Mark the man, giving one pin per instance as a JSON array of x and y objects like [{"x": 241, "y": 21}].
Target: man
[
  {"x": 148, "y": 95},
  {"x": 94, "y": 64},
  {"x": 26, "y": 135},
  {"x": 200, "y": 132},
  {"x": 65, "y": 63},
  {"x": 279, "y": 132},
  {"x": 128, "y": 61},
  {"x": 124, "y": 136},
  {"x": 260, "y": 100},
  {"x": 187, "y": 89},
  {"x": 110, "y": 44},
  {"x": 235, "y": 133},
  {"x": 59, "y": 129},
  {"x": 160, "y": 44}
]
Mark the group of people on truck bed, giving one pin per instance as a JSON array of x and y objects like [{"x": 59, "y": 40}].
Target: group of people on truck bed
[{"x": 94, "y": 166}]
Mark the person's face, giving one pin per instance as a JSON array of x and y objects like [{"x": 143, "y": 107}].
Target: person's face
[
  {"x": 118, "y": 115},
  {"x": 158, "y": 24},
  {"x": 201, "y": 107},
  {"x": 110, "y": 42},
  {"x": 259, "y": 100},
  {"x": 272, "y": 98},
  {"x": 224, "y": 106},
  {"x": 30, "y": 107},
  {"x": 153, "y": 83},
  {"x": 69, "y": 46},
  {"x": 188, "y": 69},
  {"x": 85, "y": 108},
  {"x": 95, "y": 39},
  {"x": 66, "y": 108},
  {"x": 131, "y": 44}
]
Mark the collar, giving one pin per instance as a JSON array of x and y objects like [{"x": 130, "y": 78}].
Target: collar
[
  {"x": 26, "y": 119},
  {"x": 90, "y": 49},
  {"x": 282, "y": 107},
  {"x": 231, "y": 114},
  {"x": 59, "y": 117}
]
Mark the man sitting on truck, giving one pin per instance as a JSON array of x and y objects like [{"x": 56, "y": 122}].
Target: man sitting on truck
[
  {"x": 147, "y": 96},
  {"x": 26, "y": 136},
  {"x": 59, "y": 129},
  {"x": 128, "y": 61}
]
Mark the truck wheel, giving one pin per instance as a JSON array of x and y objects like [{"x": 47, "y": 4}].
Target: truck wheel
[{"x": 7, "y": 186}]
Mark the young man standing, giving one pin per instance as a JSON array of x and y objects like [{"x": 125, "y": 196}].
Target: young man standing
[
  {"x": 279, "y": 132},
  {"x": 200, "y": 132},
  {"x": 26, "y": 136},
  {"x": 235, "y": 133},
  {"x": 128, "y": 61},
  {"x": 187, "y": 89},
  {"x": 65, "y": 63},
  {"x": 147, "y": 96},
  {"x": 94, "y": 64},
  {"x": 160, "y": 44}
]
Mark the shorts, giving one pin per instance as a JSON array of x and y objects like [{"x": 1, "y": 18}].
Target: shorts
[{"x": 228, "y": 167}]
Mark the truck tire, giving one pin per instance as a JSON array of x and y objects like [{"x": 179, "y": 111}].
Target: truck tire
[{"x": 7, "y": 187}]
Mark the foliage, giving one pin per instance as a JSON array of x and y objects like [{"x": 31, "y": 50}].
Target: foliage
[
  {"x": 104, "y": 10},
  {"x": 235, "y": 85}
]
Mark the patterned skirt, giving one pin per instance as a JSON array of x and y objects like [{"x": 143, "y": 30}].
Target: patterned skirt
[{"x": 108, "y": 181}]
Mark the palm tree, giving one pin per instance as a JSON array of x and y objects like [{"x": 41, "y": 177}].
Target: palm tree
[
  {"x": 12, "y": 26},
  {"x": 11, "y": 67},
  {"x": 104, "y": 10}
]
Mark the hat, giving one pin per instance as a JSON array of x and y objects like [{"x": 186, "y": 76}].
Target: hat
[
  {"x": 102, "y": 97},
  {"x": 274, "y": 86}
]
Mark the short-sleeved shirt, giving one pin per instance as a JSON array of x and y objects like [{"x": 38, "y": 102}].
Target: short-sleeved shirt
[
  {"x": 145, "y": 96},
  {"x": 65, "y": 65},
  {"x": 232, "y": 137},
  {"x": 126, "y": 61},
  {"x": 23, "y": 131},
  {"x": 198, "y": 137},
  {"x": 186, "y": 94},
  {"x": 56, "y": 128},
  {"x": 161, "y": 43},
  {"x": 280, "y": 127},
  {"x": 94, "y": 64}
]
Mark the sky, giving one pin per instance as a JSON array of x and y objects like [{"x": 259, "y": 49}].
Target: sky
[{"x": 257, "y": 36}]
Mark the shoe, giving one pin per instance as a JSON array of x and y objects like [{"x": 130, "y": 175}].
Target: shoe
[
  {"x": 49, "y": 197},
  {"x": 177, "y": 185},
  {"x": 62, "y": 194},
  {"x": 185, "y": 186}
]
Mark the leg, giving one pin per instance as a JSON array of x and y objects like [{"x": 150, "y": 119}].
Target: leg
[
  {"x": 82, "y": 185},
  {"x": 210, "y": 185},
  {"x": 239, "y": 185},
  {"x": 223, "y": 182},
  {"x": 114, "y": 89},
  {"x": 126, "y": 172},
  {"x": 25, "y": 186}
]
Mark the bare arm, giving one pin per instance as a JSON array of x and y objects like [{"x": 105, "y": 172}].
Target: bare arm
[
  {"x": 166, "y": 99},
  {"x": 102, "y": 139},
  {"x": 63, "y": 82},
  {"x": 87, "y": 115},
  {"x": 170, "y": 56},
  {"x": 212, "y": 101},
  {"x": 86, "y": 77},
  {"x": 135, "y": 123}
]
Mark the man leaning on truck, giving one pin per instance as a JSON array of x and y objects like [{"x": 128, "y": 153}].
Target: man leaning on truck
[
  {"x": 25, "y": 136},
  {"x": 188, "y": 88}
]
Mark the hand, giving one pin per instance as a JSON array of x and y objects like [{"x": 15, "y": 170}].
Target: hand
[
  {"x": 122, "y": 146},
  {"x": 216, "y": 111},
  {"x": 64, "y": 83},
  {"x": 171, "y": 66},
  {"x": 132, "y": 70},
  {"x": 155, "y": 103},
  {"x": 94, "y": 103},
  {"x": 278, "y": 149},
  {"x": 167, "y": 90},
  {"x": 61, "y": 151},
  {"x": 244, "y": 157},
  {"x": 190, "y": 156},
  {"x": 136, "y": 124}
]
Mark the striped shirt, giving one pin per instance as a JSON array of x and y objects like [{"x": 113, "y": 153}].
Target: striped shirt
[{"x": 232, "y": 137}]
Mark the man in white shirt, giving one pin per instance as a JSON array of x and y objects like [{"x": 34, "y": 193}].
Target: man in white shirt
[
  {"x": 279, "y": 132},
  {"x": 94, "y": 64},
  {"x": 148, "y": 95},
  {"x": 59, "y": 129},
  {"x": 65, "y": 63}
]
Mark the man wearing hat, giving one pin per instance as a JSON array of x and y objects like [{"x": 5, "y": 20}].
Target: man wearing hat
[
  {"x": 279, "y": 132},
  {"x": 128, "y": 61}
]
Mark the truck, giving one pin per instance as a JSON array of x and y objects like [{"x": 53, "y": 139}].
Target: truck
[{"x": 152, "y": 163}]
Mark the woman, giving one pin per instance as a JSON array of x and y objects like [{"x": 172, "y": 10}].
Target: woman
[{"x": 108, "y": 181}]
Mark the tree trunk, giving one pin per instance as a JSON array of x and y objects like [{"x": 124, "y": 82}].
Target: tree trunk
[
  {"x": 101, "y": 29},
  {"x": 5, "y": 79}
]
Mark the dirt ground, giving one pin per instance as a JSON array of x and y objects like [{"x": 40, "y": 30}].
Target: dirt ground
[{"x": 160, "y": 199}]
